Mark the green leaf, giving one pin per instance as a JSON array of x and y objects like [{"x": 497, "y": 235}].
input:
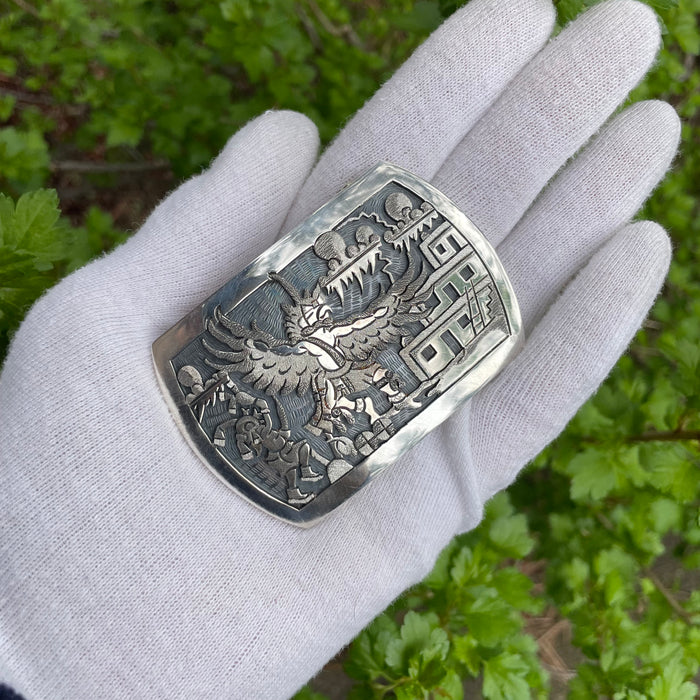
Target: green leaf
[
  {"x": 575, "y": 573},
  {"x": 8, "y": 65},
  {"x": 367, "y": 655},
  {"x": 665, "y": 515},
  {"x": 596, "y": 473},
  {"x": 24, "y": 155},
  {"x": 593, "y": 476},
  {"x": 414, "y": 635},
  {"x": 674, "y": 471},
  {"x": 466, "y": 651},
  {"x": 419, "y": 636},
  {"x": 686, "y": 32},
  {"x": 410, "y": 691},
  {"x": 7, "y": 215},
  {"x": 561, "y": 526},
  {"x": 672, "y": 684},
  {"x": 440, "y": 575},
  {"x": 236, "y": 10},
  {"x": 428, "y": 665},
  {"x": 591, "y": 419},
  {"x": 505, "y": 678},
  {"x": 466, "y": 568},
  {"x": 616, "y": 572},
  {"x": 124, "y": 133},
  {"x": 516, "y": 589},
  {"x": 489, "y": 618},
  {"x": 664, "y": 404},
  {"x": 450, "y": 687},
  {"x": 510, "y": 534},
  {"x": 361, "y": 661},
  {"x": 7, "y": 105},
  {"x": 33, "y": 224}
]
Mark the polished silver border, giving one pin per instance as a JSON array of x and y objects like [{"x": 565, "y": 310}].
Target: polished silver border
[{"x": 274, "y": 259}]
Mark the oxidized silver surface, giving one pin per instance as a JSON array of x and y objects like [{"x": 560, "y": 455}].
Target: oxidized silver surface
[{"x": 341, "y": 346}]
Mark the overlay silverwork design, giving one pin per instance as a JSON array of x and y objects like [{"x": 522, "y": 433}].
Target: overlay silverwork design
[{"x": 342, "y": 346}]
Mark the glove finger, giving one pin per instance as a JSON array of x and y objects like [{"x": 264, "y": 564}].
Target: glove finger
[
  {"x": 593, "y": 196},
  {"x": 547, "y": 113},
  {"x": 568, "y": 355},
  {"x": 216, "y": 222},
  {"x": 418, "y": 117}
]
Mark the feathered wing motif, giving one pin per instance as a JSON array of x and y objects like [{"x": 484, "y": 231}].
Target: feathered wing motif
[
  {"x": 385, "y": 321},
  {"x": 264, "y": 362},
  {"x": 282, "y": 366}
]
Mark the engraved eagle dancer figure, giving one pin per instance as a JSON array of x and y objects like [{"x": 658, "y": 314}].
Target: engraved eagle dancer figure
[{"x": 332, "y": 358}]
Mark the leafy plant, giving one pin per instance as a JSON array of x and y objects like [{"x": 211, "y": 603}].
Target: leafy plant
[
  {"x": 466, "y": 619},
  {"x": 37, "y": 248},
  {"x": 107, "y": 78}
]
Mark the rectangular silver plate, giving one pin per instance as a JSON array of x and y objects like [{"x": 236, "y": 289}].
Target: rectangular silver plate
[{"x": 341, "y": 346}]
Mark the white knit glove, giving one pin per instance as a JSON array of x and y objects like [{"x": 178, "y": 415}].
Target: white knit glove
[{"x": 127, "y": 570}]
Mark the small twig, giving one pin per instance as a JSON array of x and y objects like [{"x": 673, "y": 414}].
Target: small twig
[
  {"x": 666, "y": 436},
  {"x": 37, "y": 98},
  {"x": 558, "y": 626},
  {"x": 641, "y": 353},
  {"x": 603, "y": 520},
  {"x": 677, "y": 607},
  {"x": 27, "y": 8},
  {"x": 34, "y": 98},
  {"x": 653, "y": 436},
  {"x": 344, "y": 30},
  {"x": 551, "y": 658},
  {"x": 309, "y": 28},
  {"x": 86, "y": 166},
  {"x": 688, "y": 66}
]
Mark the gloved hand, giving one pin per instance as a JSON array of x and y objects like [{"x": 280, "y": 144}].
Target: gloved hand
[{"x": 126, "y": 568}]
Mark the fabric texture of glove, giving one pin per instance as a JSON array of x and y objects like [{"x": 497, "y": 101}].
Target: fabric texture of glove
[{"x": 126, "y": 568}]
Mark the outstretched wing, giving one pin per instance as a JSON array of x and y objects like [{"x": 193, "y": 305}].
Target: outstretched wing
[
  {"x": 263, "y": 361},
  {"x": 386, "y": 320}
]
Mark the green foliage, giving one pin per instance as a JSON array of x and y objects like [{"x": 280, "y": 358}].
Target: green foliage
[
  {"x": 36, "y": 249},
  {"x": 30, "y": 245},
  {"x": 609, "y": 511},
  {"x": 465, "y": 620},
  {"x": 112, "y": 76}
]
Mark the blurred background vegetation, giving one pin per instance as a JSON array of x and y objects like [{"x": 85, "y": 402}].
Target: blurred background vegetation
[{"x": 583, "y": 579}]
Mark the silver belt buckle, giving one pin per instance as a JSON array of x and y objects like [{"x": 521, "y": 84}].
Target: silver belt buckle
[{"x": 341, "y": 346}]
